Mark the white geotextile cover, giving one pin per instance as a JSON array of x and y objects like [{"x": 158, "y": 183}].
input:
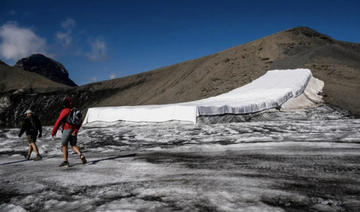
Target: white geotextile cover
[{"x": 268, "y": 91}]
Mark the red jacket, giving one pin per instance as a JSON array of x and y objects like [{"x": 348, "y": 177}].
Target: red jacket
[{"x": 61, "y": 121}]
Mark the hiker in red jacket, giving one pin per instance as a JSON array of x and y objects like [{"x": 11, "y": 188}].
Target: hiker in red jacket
[{"x": 69, "y": 132}]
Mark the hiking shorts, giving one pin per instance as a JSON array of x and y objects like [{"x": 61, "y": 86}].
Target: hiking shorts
[
  {"x": 67, "y": 137},
  {"x": 31, "y": 138}
]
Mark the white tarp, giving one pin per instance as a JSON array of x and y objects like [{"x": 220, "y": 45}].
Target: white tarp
[
  {"x": 146, "y": 113},
  {"x": 268, "y": 91}
]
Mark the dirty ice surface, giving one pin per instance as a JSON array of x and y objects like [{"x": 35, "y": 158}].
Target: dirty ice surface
[{"x": 283, "y": 165}]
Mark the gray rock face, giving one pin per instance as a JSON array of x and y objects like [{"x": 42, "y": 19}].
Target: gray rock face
[
  {"x": 46, "y": 106},
  {"x": 47, "y": 67},
  {"x": 4, "y": 103},
  {"x": 2, "y": 63}
]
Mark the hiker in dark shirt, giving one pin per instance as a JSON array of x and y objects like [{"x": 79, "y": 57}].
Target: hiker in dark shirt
[{"x": 31, "y": 125}]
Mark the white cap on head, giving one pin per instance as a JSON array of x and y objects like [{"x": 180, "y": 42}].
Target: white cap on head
[{"x": 28, "y": 111}]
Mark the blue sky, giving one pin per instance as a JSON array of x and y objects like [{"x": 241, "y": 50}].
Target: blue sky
[{"x": 100, "y": 40}]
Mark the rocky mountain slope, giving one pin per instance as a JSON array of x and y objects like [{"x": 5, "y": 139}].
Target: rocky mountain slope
[
  {"x": 47, "y": 67},
  {"x": 337, "y": 63},
  {"x": 15, "y": 79}
]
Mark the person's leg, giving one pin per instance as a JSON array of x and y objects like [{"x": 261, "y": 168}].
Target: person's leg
[
  {"x": 34, "y": 147},
  {"x": 76, "y": 149},
  {"x": 31, "y": 141},
  {"x": 82, "y": 157},
  {"x": 65, "y": 152},
  {"x": 29, "y": 151},
  {"x": 64, "y": 147},
  {"x": 73, "y": 141},
  {"x": 38, "y": 156}
]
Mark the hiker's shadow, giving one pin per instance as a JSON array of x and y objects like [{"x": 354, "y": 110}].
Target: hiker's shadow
[
  {"x": 14, "y": 162},
  {"x": 22, "y": 161},
  {"x": 111, "y": 158}
]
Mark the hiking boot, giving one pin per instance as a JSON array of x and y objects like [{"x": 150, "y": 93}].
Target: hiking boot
[
  {"x": 64, "y": 164},
  {"x": 83, "y": 159},
  {"x": 38, "y": 157}
]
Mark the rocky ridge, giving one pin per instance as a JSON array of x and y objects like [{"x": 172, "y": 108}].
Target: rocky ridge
[{"x": 47, "y": 67}]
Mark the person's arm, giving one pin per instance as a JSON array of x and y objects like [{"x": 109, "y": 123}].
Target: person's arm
[
  {"x": 76, "y": 130},
  {"x": 22, "y": 130},
  {"x": 59, "y": 121}
]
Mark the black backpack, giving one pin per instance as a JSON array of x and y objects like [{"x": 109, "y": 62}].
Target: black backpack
[{"x": 74, "y": 117}]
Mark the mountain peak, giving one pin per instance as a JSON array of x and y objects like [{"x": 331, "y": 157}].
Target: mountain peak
[
  {"x": 47, "y": 67},
  {"x": 303, "y": 29},
  {"x": 308, "y": 32}
]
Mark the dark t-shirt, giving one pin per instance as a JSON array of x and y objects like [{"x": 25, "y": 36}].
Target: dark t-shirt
[{"x": 31, "y": 125}]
